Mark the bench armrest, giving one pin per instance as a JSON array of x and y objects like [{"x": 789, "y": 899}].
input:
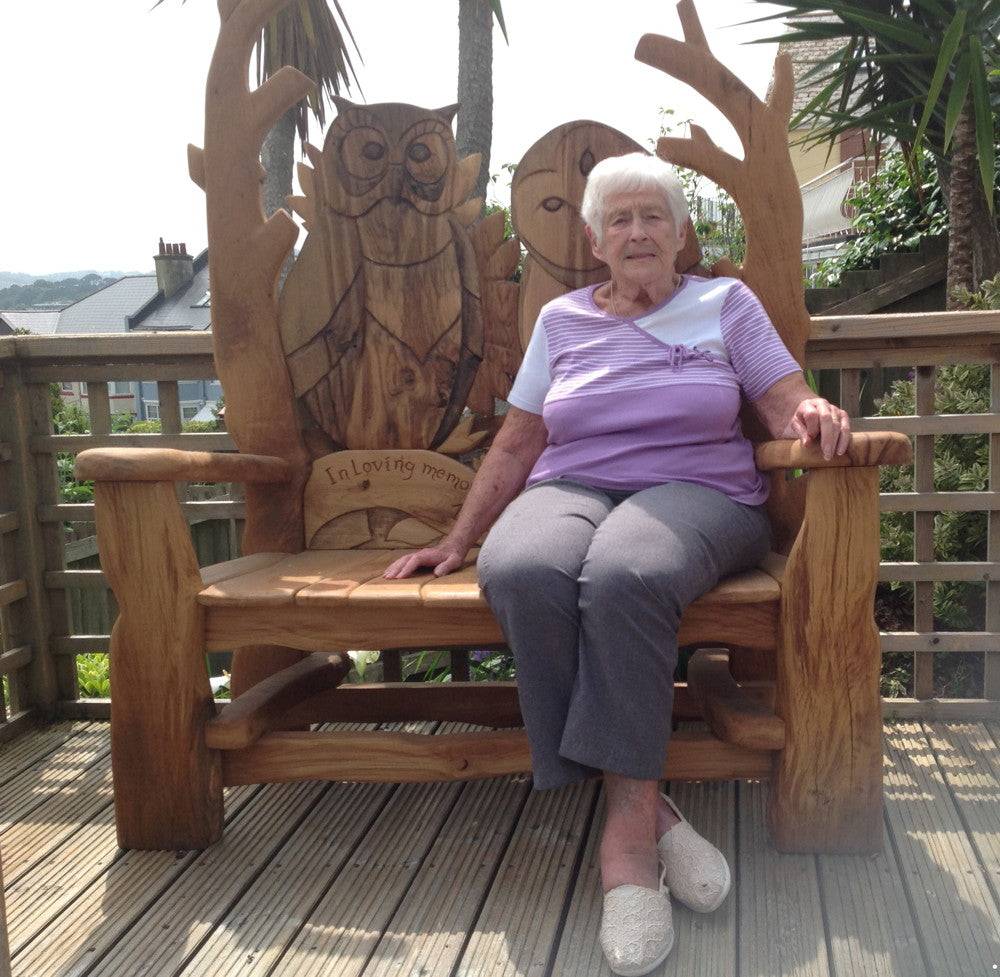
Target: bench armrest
[
  {"x": 866, "y": 449},
  {"x": 171, "y": 465}
]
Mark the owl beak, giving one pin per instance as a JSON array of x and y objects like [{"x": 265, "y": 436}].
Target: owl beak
[{"x": 397, "y": 175}]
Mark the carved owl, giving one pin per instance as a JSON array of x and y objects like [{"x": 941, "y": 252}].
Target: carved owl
[
  {"x": 546, "y": 194},
  {"x": 381, "y": 317}
]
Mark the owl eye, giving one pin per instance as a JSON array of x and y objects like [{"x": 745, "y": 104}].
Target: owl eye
[
  {"x": 364, "y": 153},
  {"x": 427, "y": 157},
  {"x": 419, "y": 152},
  {"x": 552, "y": 204}
]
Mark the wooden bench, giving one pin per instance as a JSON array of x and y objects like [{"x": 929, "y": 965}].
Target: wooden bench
[{"x": 356, "y": 396}]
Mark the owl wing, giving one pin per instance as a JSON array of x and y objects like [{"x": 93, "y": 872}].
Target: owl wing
[
  {"x": 321, "y": 315},
  {"x": 497, "y": 260}
]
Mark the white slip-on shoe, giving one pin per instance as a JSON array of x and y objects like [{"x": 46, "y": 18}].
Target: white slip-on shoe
[
  {"x": 637, "y": 928},
  {"x": 695, "y": 870}
]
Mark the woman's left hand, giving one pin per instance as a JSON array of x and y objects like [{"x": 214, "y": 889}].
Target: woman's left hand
[{"x": 818, "y": 419}]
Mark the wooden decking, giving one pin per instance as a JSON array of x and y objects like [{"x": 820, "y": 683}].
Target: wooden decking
[{"x": 487, "y": 877}]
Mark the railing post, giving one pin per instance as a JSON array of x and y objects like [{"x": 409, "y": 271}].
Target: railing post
[
  {"x": 923, "y": 532},
  {"x": 991, "y": 667},
  {"x": 30, "y": 616}
]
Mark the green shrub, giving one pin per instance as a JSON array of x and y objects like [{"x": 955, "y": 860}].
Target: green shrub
[
  {"x": 890, "y": 215},
  {"x": 92, "y": 672}
]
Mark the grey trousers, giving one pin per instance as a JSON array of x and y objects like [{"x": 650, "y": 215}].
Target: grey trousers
[{"x": 588, "y": 587}]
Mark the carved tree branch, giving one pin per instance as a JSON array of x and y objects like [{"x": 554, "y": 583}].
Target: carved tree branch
[
  {"x": 763, "y": 183},
  {"x": 246, "y": 254},
  {"x": 700, "y": 152}
]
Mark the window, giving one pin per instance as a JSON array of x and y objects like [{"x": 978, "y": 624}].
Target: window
[
  {"x": 122, "y": 387},
  {"x": 152, "y": 411},
  {"x": 188, "y": 411}
]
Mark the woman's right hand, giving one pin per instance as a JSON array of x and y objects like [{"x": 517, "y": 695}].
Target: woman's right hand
[{"x": 444, "y": 556}]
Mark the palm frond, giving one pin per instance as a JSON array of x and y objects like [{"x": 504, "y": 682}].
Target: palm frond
[{"x": 949, "y": 46}]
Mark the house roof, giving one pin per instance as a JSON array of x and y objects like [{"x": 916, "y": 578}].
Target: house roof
[
  {"x": 805, "y": 54},
  {"x": 108, "y": 309},
  {"x": 131, "y": 303},
  {"x": 182, "y": 310},
  {"x": 38, "y": 322}
]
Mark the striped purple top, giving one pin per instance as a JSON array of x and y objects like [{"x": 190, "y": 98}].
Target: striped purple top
[{"x": 632, "y": 403}]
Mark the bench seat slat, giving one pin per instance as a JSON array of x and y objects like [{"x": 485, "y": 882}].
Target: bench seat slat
[{"x": 332, "y": 577}]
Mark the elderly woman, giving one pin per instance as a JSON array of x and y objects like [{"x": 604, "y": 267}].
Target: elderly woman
[{"x": 639, "y": 494}]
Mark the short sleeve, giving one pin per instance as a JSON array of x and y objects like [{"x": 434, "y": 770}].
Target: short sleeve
[
  {"x": 755, "y": 349},
  {"x": 533, "y": 378}
]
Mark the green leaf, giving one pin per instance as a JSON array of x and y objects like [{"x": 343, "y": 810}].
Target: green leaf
[
  {"x": 984, "y": 120},
  {"x": 949, "y": 45},
  {"x": 897, "y": 28},
  {"x": 956, "y": 97},
  {"x": 498, "y": 13}
]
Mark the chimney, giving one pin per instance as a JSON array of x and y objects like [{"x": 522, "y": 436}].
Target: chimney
[{"x": 174, "y": 268}]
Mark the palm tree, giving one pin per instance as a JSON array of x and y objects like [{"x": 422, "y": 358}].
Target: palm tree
[
  {"x": 475, "y": 81},
  {"x": 306, "y": 35},
  {"x": 917, "y": 71}
]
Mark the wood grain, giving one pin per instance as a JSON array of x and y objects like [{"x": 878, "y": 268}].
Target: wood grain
[
  {"x": 168, "y": 790},
  {"x": 731, "y": 714},
  {"x": 170, "y": 465},
  {"x": 422, "y": 484},
  {"x": 263, "y": 707},
  {"x": 827, "y": 790},
  {"x": 872, "y": 448}
]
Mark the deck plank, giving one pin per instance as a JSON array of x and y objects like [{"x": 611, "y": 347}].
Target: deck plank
[
  {"x": 870, "y": 929},
  {"x": 516, "y": 931},
  {"x": 955, "y": 912},
  {"x": 425, "y": 935},
  {"x": 176, "y": 926},
  {"x": 54, "y": 883},
  {"x": 28, "y": 751},
  {"x": 57, "y": 819},
  {"x": 451, "y": 878},
  {"x": 342, "y": 934},
  {"x": 781, "y": 932},
  {"x": 379, "y": 835},
  {"x": 136, "y": 885},
  {"x": 967, "y": 755},
  {"x": 62, "y": 766},
  {"x": 705, "y": 945},
  {"x": 115, "y": 900}
]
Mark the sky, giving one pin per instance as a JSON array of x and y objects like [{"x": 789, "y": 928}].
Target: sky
[{"x": 100, "y": 100}]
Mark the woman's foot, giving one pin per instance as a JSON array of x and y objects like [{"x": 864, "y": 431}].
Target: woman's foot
[
  {"x": 695, "y": 870},
  {"x": 637, "y": 930},
  {"x": 666, "y": 816},
  {"x": 628, "y": 845}
]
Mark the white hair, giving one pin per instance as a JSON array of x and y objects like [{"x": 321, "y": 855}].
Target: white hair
[{"x": 626, "y": 174}]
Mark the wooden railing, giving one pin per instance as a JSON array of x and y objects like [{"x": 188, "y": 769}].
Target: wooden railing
[{"x": 39, "y": 646}]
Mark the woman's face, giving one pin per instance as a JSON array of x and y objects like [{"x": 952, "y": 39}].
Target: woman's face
[{"x": 640, "y": 242}]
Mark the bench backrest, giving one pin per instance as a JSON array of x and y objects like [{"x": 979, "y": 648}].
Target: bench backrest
[{"x": 377, "y": 368}]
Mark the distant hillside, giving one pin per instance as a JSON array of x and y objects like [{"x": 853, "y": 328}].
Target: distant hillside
[
  {"x": 8, "y": 278},
  {"x": 51, "y": 294}
]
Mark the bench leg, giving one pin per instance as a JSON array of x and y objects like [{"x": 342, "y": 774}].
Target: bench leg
[
  {"x": 826, "y": 793},
  {"x": 168, "y": 784}
]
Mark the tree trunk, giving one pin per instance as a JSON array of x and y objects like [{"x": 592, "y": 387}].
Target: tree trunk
[
  {"x": 963, "y": 179},
  {"x": 475, "y": 84},
  {"x": 277, "y": 155},
  {"x": 985, "y": 238}
]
